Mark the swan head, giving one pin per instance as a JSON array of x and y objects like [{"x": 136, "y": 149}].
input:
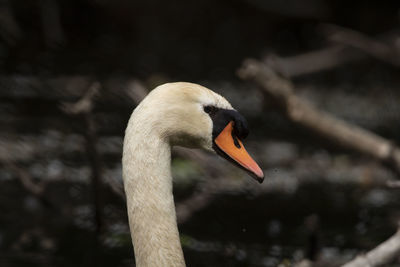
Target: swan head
[{"x": 190, "y": 115}]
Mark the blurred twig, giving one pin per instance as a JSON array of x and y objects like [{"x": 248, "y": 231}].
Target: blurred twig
[
  {"x": 380, "y": 50},
  {"x": 206, "y": 190},
  {"x": 84, "y": 107},
  {"x": 196, "y": 202},
  {"x": 282, "y": 91},
  {"x": 313, "y": 61},
  {"x": 350, "y": 46},
  {"x": 116, "y": 187},
  {"x": 26, "y": 180},
  {"x": 85, "y": 103},
  {"x": 393, "y": 184},
  {"x": 36, "y": 189},
  {"x": 382, "y": 254}
]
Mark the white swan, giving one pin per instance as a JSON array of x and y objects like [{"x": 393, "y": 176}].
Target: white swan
[{"x": 182, "y": 114}]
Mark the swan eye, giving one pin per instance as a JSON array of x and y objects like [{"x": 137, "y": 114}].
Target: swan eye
[{"x": 210, "y": 110}]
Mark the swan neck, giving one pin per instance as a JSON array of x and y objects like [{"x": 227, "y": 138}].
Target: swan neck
[{"x": 150, "y": 203}]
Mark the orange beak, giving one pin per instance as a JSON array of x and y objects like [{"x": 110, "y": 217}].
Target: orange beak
[{"x": 235, "y": 151}]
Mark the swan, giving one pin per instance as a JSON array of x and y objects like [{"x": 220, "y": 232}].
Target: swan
[{"x": 182, "y": 114}]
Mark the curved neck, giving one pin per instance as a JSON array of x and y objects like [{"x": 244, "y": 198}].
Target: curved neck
[{"x": 150, "y": 202}]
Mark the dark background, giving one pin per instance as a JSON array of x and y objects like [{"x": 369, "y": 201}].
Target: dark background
[{"x": 320, "y": 201}]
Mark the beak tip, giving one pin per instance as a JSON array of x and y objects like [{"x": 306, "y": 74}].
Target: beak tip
[{"x": 260, "y": 176}]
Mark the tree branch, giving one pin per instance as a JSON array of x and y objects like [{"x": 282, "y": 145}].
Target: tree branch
[
  {"x": 314, "y": 61},
  {"x": 393, "y": 184},
  {"x": 377, "y": 49},
  {"x": 382, "y": 254},
  {"x": 350, "y": 46},
  {"x": 303, "y": 113}
]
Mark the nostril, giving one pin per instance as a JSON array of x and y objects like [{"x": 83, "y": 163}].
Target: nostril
[{"x": 235, "y": 140}]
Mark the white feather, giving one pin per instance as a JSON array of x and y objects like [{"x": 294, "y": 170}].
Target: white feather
[{"x": 172, "y": 114}]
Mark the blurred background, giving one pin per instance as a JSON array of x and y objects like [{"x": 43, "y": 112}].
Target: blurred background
[{"x": 72, "y": 71}]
